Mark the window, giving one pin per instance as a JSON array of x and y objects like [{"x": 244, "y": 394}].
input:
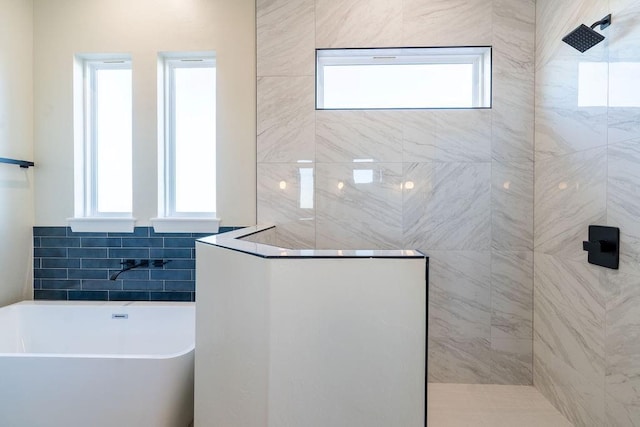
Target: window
[
  {"x": 187, "y": 113},
  {"x": 103, "y": 123},
  {"x": 403, "y": 78}
]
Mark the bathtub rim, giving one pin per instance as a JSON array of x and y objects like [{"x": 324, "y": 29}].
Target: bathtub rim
[{"x": 137, "y": 356}]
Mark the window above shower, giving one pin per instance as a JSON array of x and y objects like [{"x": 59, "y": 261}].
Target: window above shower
[{"x": 403, "y": 78}]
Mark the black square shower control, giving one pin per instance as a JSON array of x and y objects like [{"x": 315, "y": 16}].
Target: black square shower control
[{"x": 603, "y": 246}]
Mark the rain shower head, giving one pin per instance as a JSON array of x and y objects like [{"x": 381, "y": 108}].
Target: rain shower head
[{"x": 584, "y": 38}]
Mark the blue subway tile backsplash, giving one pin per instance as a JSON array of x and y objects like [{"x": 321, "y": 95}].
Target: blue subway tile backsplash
[{"x": 77, "y": 266}]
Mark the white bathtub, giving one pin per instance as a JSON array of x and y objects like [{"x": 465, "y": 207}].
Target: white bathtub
[{"x": 79, "y": 364}]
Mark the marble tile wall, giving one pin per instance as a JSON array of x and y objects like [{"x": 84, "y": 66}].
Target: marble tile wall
[
  {"x": 456, "y": 184},
  {"x": 587, "y": 162}
]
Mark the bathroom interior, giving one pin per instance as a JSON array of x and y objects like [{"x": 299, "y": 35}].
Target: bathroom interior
[{"x": 521, "y": 329}]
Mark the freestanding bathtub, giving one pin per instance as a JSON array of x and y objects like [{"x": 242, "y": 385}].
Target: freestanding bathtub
[{"x": 96, "y": 364}]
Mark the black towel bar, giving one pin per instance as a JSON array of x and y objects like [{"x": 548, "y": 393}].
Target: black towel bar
[{"x": 22, "y": 163}]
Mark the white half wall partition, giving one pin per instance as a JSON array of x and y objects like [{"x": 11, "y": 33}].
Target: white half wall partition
[{"x": 308, "y": 337}]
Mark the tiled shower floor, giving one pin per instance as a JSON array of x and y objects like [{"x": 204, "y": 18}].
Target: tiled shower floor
[{"x": 467, "y": 405}]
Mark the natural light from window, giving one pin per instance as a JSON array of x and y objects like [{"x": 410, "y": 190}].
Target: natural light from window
[
  {"x": 187, "y": 113},
  {"x": 113, "y": 140},
  {"x": 195, "y": 136},
  {"x": 403, "y": 78},
  {"x": 399, "y": 86}
]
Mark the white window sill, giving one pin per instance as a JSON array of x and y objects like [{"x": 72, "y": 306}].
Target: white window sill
[
  {"x": 109, "y": 225},
  {"x": 185, "y": 225}
]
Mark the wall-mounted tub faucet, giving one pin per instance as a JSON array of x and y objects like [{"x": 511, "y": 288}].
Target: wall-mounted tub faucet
[{"x": 129, "y": 265}]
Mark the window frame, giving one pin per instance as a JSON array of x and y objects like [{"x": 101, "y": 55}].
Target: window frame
[
  {"x": 169, "y": 62},
  {"x": 480, "y": 57},
  {"x": 90, "y": 65}
]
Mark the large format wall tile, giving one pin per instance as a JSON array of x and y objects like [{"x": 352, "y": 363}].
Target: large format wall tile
[
  {"x": 447, "y": 206},
  {"x": 358, "y": 23},
  {"x": 513, "y": 82},
  {"x": 459, "y": 294},
  {"x": 286, "y": 120},
  {"x": 623, "y": 203},
  {"x": 419, "y": 129},
  {"x": 569, "y": 312},
  {"x": 514, "y": 31},
  {"x": 512, "y": 295},
  {"x": 447, "y": 23},
  {"x": 578, "y": 398},
  {"x": 624, "y": 51},
  {"x": 347, "y": 136},
  {"x": 446, "y": 135},
  {"x": 511, "y": 361},
  {"x": 622, "y": 380},
  {"x": 513, "y": 113},
  {"x": 459, "y": 360},
  {"x": 570, "y": 195},
  {"x": 359, "y": 206},
  {"x": 286, "y": 198},
  {"x": 567, "y": 120},
  {"x": 512, "y": 206},
  {"x": 463, "y": 135},
  {"x": 285, "y": 37}
]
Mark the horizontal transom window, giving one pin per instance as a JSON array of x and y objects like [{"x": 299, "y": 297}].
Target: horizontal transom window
[{"x": 388, "y": 78}]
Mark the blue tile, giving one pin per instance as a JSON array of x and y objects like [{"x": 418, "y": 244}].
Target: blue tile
[
  {"x": 136, "y": 274},
  {"x": 180, "y": 285},
  {"x": 88, "y": 295},
  {"x": 50, "y": 252},
  {"x": 101, "y": 242},
  {"x": 101, "y": 263},
  {"x": 87, "y": 253},
  {"x": 227, "y": 229},
  {"x": 84, "y": 273},
  {"x": 37, "y": 284},
  {"x": 142, "y": 285},
  {"x": 179, "y": 242},
  {"x": 181, "y": 264},
  {"x": 171, "y": 296},
  {"x": 142, "y": 242},
  {"x": 36, "y": 242},
  {"x": 170, "y": 253},
  {"x": 59, "y": 242},
  {"x": 59, "y": 284},
  {"x": 171, "y": 274},
  {"x": 137, "y": 232},
  {"x": 102, "y": 285},
  {"x": 50, "y": 295},
  {"x": 129, "y": 253},
  {"x": 50, "y": 231},
  {"x": 201, "y": 235},
  {"x": 152, "y": 233},
  {"x": 60, "y": 263},
  {"x": 37, "y": 262},
  {"x": 50, "y": 273},
  {"x": 128, "y": 296},
  {"x": 85, "y": 234}
]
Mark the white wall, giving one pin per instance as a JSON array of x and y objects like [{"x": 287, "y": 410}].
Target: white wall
[
  {"x": 16, "y": 141},
  {"x": 143, "y": 28},
  {"x": 309, "y": 342}
]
